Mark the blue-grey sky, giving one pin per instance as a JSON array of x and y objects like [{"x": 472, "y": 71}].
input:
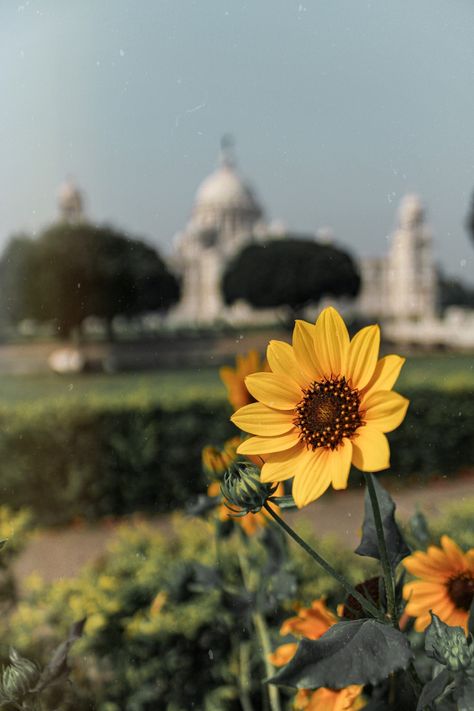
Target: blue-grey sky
[{"x": 339, "y": 107}]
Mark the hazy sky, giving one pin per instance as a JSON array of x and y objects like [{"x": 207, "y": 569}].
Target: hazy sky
[{"x": 339, "y": 107}]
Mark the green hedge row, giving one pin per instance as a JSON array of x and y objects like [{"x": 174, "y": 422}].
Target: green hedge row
[{"x": 99, "y": 460}]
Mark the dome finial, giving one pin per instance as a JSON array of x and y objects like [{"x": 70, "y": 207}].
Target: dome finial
[{"x": 226, "y": 154}]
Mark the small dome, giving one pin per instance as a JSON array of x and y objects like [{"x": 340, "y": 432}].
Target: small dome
[
  {"x": 225, "y": 190},
  {"x": 70, "y": 201},
  {"x": 411, "y": 211}
]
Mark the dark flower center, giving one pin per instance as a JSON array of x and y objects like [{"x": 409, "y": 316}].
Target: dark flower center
[
  {"x": 328, "y": 412},
  {"x": 461, "y": 590}
]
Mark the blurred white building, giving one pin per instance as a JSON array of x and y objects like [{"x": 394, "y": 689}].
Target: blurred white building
[
  {"x": 402, "y": 285},
  {"x": 226, "y": 216}
]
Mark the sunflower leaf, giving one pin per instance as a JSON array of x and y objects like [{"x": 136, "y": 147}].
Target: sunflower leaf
[
  {"x": 433, "y": 689},
  {"x": 396, "y": 545},
  {"x": 284, "y": 502},
  {"x": 448, "y": 645},
  {"x": 355, "y": 652},
  {"x": 419, "y": 529}
]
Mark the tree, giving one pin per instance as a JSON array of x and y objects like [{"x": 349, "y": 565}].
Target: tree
[
  {"x": 291, "y": 272},
  {"x": 16, "y": 300},
  {"x": 453, "y": 292},
  {"x": 470, "y": 219},
  {"x": 79, "y": 270}
]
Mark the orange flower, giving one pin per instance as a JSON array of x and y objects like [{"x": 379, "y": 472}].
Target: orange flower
[
  {"x": 327, "y": 404},
  {"x": 348, "y": 699},
  {"x": 215, "y": 461},
  {"x": 446, "y": 584},
  {"x": 234, "y": 378},
  {"x": 312, "y": 623},
  {"x": 250, "y": 523}
]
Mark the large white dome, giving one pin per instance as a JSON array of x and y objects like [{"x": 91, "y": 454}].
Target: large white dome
[{"x": 224, "y": 190}]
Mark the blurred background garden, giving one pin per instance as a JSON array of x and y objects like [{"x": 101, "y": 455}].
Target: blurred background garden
[{"x": 138, "y": 261}]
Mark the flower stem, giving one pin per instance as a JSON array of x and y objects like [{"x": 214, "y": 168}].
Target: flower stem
[
  {"x": 366, "y": 604},
  {"x": 262, "y": 632},
  {"x": 384, "y": 558}
]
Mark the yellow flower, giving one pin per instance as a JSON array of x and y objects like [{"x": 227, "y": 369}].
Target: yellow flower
[
  {"x": 234, "y": 378},
  {"x": 446, "y": 584},
  {"x": 312, "y": 623},
  {"x": 326, "y": 405},
  {"x": 215, "y": 461}
]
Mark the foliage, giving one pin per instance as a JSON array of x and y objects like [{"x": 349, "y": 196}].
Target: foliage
[
  {"x": 453, "y": 292},
  {"x": 263, "y": 274},
  {"x": 113, "y": 458},
  {"x": 77, "y": 270},
  {"x": 160, "y": 632},
  {"x": 25, "y": 686},
  {"x": 15, "y": 271}
]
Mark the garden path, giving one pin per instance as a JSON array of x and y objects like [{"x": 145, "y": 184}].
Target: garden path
[{"x": 58, "y": 553}]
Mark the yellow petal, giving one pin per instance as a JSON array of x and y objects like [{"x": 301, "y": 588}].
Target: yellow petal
[
  {"x": 385, "y": 374},
  {"x": 282, "y": 360},
  {"x": 385, "y": 410},
  {"x": 339, "y": 463},
  {"x": 312, "y": 476},
  {"x": 266, "y": 445},
  {"x": 363, "y": 354},
  {"x": 259, "y": 419},
  {"x": 281, "y": 465},
  {"x": 277, "y": 391},
  {"x": 331, "y": 343},
  {"x": 454, "y": 553},
  {"x": 303, "y": 347},
  {"x": 370, "y": 450}
]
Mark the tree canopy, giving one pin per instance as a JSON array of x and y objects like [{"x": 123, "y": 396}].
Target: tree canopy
[
  {"x": 77, "y": 270},
  {"x": 291, "y": 272}
]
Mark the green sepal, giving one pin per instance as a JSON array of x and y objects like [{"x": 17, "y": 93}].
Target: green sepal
[{"x": 355, "y": 652}]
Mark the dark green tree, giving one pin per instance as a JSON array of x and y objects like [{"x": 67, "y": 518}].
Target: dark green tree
[
  {"x": 292, "y": 272},
  {"x": 79, "y": 270},
  {"x": 16, "y": 289},
  {"x": 470, "y": 219}
]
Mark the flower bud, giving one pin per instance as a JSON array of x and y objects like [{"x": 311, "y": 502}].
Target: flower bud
[{"x": 243, "y": 489}]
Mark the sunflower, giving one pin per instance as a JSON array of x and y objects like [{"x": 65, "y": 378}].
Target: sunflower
[
  {"x": 312, "y": 623},
  {"x": 234, "y": 378},
  {"x": 325, "y": 405},
  {"x": 446, "y": 584}
]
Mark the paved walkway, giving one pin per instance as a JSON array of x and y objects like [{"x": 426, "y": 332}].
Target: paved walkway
[{"x": 60, "y": 553}]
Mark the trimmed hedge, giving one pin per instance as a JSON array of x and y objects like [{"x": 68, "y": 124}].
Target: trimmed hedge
[{"x": 101, "y": 459}]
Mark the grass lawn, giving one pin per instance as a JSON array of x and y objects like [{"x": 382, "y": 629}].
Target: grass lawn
[{"x": 434, "y": 371}]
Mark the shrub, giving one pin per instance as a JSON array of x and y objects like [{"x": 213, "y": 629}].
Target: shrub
[
  {"x": 103, "y": 459},
  {"x": 153, "y": 638}
]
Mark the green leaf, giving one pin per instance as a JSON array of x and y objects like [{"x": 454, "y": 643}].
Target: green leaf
[
  {"x": 284, "y": 502},
  {"x": 448, "y": 645},
  {"x": 419, "y": 528},
  {"x": 58, "y": 667},
  {"x": 396, "y": 545},
  {"x": 355, "y": 652},
  {"x": 464, "y": 692},
  {"x": 202, "y": 504},
  {"x": 433, "y": 689}
]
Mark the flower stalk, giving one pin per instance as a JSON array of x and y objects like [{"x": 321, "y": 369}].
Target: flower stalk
[{"x": 366, "y": 604}]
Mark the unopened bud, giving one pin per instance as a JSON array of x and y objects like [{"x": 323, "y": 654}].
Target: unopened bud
[{"x": 244, "y": 490}]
